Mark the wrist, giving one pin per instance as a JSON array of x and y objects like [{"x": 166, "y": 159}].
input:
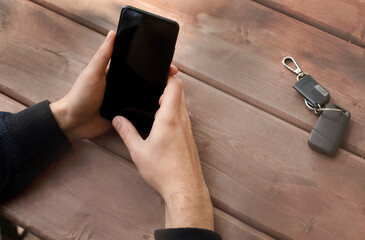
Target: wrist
[
  {"x": 189, "y": 209},
  {"x": 59, "y": 112}
]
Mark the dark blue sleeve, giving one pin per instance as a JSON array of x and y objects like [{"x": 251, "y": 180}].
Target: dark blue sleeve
[
  {"x": 186, "y": 234},
  {"x": 30, "y": 141}
]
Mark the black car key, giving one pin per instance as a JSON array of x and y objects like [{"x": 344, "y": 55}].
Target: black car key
[
  {"x": 315, "y": 95},
  {"x": 312, "y": 91},
  {"x": 329, "y": 130}
]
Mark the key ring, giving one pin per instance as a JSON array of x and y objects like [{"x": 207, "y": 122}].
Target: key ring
[
  {"x": 312, "y": 108},
  {"x": 319, "y": 109}
]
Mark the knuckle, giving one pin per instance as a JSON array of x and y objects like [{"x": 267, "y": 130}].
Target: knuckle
[
  {"x": 179, "y": 83},
  {"x": 124, "y": 132},
  {"x": 176, "y": 81},
  {"x": 170, "y": 120}
]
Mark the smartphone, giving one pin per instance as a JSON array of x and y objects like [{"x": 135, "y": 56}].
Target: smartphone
[{"x": 139, "y": 67}]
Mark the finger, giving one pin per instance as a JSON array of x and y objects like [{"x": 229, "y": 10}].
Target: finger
[
  {"x": 107, "y": 68},
  {"x": 99, "y": 62},
  {"x": 183, "y": 106},
  {"x": 171, "y": 101},
  {"x": 160, "y": 100},
  {"x": 127, "y": 132},
  {"x": 173, "y": 70},
  {"x": 156, "y": 113}
]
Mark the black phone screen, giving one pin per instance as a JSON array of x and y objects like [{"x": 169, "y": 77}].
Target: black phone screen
[{"x": 139, "y": 67}]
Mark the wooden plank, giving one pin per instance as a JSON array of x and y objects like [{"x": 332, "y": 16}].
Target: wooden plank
[
  {"x": 237, "y": 46},
  {"x": 9, "y": 105},
  {"x": 63, "y": 68},
  {"x": 93, "y": 194},
  {"x": 37, "y": 53},
  {"x": 342, "y": 18},
  {"x": 231, "y": 228},
  {"x": 35, "y": 209},
  {"x": 289, "y": 192}
]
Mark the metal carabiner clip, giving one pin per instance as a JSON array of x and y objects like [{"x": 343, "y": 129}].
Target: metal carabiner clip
[{"x": 298, "y": 71}]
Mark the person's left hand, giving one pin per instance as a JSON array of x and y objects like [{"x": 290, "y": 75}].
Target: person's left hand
[{"x": 77, "y": 113}]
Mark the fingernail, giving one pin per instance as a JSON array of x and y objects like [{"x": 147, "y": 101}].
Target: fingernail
[{"x": 117, "y": 121}]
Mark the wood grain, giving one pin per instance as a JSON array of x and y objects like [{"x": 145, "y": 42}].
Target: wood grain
[
  {"x": 268, "y": 179},
  {"x": 237, "y": 46},
  {"x": 258, "y": 167},
  {"x": 57, "y": 190},
  {"x": 93, "y": 194},
  {"x": 342, "y": 18},
  {"x": 48, "y": 60},
  {"x": 9, "y": 105},
  {"x": 41, "y": 219}
]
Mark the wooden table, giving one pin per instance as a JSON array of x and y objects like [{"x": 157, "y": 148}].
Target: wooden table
[{"x": 250, "y": 126}]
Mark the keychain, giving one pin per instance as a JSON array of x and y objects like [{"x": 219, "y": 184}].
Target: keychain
[
  {"x": 331, "y": 126},
  {"x": 314, "y": 94}
]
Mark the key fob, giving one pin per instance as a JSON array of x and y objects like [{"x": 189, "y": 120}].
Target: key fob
[
  {"x": 329, "y": 130},
  {"x": 312, "y": 91}
]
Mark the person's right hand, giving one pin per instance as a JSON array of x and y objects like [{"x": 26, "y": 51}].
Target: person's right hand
[{"x": 168, "y": 160}]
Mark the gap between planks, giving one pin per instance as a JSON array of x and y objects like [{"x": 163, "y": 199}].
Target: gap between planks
[
  {"x": 198, "y": 76},
  {"x": 27, "y": 103},
  {"x": 196, "y": 81},
  {"x": 302, "y": 19}
]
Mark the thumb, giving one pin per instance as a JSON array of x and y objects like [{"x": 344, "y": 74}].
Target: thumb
[
  {"x": 127, "y": 132},
  {"x": 99, "y": 62}
]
